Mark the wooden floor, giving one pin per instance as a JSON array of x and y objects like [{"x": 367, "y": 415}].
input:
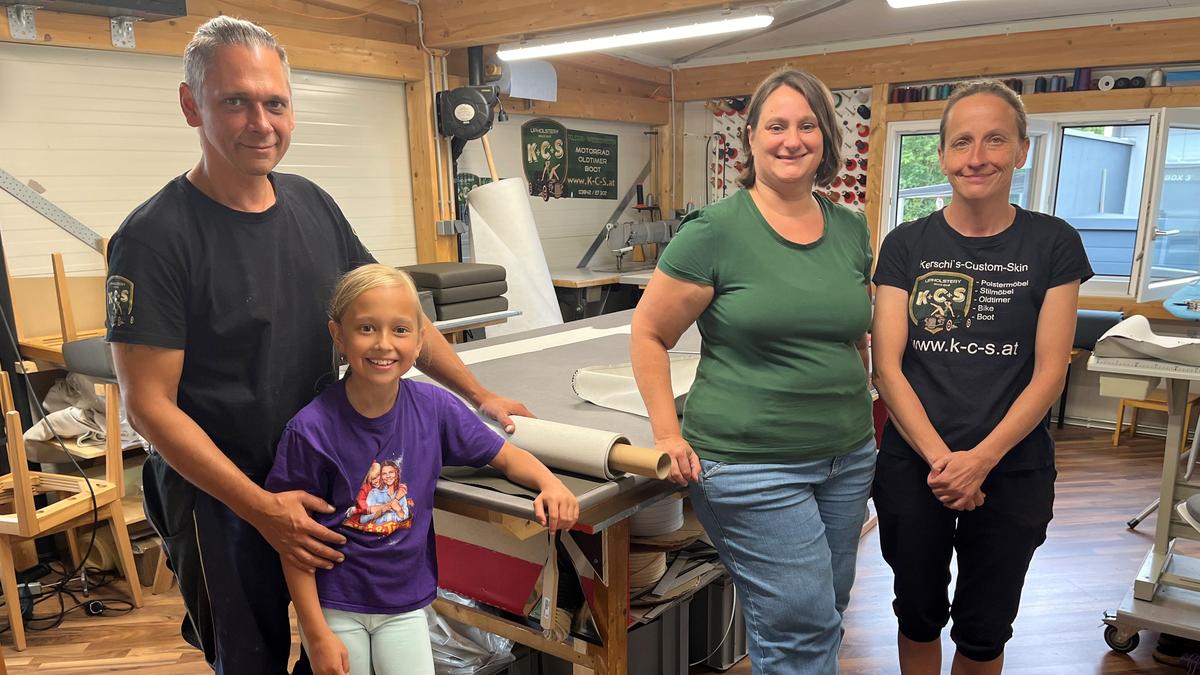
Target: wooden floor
[{"x": 1085, "y": 567}]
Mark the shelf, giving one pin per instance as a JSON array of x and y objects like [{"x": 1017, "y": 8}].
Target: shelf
[
  {"x": 1069, "y": 101},
  {"x": 48, "y": 452},
  {"x": 135, "y": 513}
]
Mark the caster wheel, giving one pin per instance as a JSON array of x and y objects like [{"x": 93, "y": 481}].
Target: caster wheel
[{"x": 1121, "y": 647}]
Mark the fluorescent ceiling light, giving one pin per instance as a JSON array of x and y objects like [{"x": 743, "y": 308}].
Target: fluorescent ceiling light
[
  {"x": 901, "y": 4},
  {"x": 543, "y": 49}
]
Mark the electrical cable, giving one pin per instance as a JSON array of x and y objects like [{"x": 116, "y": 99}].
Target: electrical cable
[{"x": 728, "y": 629}]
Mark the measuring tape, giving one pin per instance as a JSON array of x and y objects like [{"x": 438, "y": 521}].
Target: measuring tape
[{"x": 47, "y": 208}]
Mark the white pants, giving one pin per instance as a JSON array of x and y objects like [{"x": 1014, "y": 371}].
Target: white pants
[{"x": 393, "y": 644}]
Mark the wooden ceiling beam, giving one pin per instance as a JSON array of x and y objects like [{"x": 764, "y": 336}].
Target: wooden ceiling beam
[
  {"x": 1140, "y": 43},
  {"x": 307, "y": 50},
  {"x": 400, "y": 12},
  {"x": 611, "y": 65},
  {"x": 462, "y": 23},
  {"x": 308, "y": 15}
]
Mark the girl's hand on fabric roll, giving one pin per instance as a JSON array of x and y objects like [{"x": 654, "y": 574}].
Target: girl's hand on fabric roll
[
  {"x": 556, "y": 507},
  {"x": 685, "y": 465},
  {"x": 956, "y": 478}
]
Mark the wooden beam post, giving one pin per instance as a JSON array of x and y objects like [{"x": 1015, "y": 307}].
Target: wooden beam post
[
  {"x": 612, "y": 601},
  {"x": 429, "y": 202},
  {"x": 876, "y": 158},
  {"x": 670, "y": 162}
]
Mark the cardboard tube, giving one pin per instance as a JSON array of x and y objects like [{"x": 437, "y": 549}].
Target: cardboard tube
[{"x": 640, "y": 461}]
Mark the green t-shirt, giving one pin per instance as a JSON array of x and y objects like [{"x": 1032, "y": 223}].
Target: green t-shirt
[{"x": 780, "y": 379}]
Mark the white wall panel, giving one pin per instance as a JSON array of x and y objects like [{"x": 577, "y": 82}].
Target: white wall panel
[{"x": 102, "y": 131}]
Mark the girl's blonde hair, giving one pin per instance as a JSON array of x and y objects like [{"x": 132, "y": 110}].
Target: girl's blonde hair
[{"x": 360, "y": 280}]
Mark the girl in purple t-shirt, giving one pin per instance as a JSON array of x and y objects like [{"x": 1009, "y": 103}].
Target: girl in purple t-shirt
[{"x": 372, "y": 446}]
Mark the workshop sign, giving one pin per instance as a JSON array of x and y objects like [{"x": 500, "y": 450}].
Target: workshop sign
[{"x": 562, "y": 162}]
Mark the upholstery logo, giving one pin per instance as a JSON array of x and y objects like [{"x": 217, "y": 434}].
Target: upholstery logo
[
  {"x": 940, "y": 301},
  {"x": 119, "y": 300}
]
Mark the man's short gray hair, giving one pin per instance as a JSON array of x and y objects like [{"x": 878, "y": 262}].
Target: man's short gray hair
[{"x": 222, "y": 31}]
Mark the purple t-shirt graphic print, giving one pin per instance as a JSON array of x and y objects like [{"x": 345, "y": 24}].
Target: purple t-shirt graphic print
[{"x": 379, "y": 474}]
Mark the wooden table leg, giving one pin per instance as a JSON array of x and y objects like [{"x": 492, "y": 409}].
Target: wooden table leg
[{"x": 612, "y": 603}]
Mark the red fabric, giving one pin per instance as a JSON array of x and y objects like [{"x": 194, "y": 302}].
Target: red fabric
[
  {"x": 485, "y": 575},
  {"x": 879, "y": 413}
]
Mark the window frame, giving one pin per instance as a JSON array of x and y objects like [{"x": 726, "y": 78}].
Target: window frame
[{"x": 1043, "y": 163}]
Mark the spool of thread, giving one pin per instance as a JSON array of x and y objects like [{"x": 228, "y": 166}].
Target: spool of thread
[
  {"x": 641, "y": 198},
  {"x": 897, "y": 95},
  {"x": 947, "y": 89},
  {"x": 1122, "y": 83},
  {"x": 1106, "y": 83},
  {"x": 645, "y": 569},
  {"x": 664, "y": 517},
  {"x": 1040, "y": 85},
  {"x": 1157, "y": 77},
  {"x": 1137, "y": 82},
  {"x": 1083, "y": 79},
  {"x": 931, "y": 93}
]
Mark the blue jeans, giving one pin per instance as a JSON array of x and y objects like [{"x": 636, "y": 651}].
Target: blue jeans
[{"x": 788, "y": 534}]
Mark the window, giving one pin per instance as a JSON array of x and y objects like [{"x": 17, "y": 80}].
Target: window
[
  {"x": 1101, "y": 171},
  {"x": 1128, "y": 181},
  {"x": 922, "y": 187},
  {"x": 1174, "y": 251}
]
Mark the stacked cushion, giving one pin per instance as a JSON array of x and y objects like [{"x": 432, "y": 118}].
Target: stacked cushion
[{"x": 462, "y": 289}]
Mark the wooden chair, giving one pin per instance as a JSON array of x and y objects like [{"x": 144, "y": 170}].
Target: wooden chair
[
  {"x": 45, "y": 317},
  {"x": 21, "y": 520},
  {"x": 1156, "y": 401}
]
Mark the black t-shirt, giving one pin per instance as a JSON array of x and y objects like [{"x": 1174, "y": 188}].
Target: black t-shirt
[
  {"x": 244, "y": 295},
  {"x": 973, "y": 306}
]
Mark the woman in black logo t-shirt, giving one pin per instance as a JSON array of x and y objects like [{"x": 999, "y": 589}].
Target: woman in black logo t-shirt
[{"x": 974, "y": 319}]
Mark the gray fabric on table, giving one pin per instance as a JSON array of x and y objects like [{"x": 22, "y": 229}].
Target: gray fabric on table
[
  {"x": 542, "y": 379},
  {"x": 490, "y": 478}
]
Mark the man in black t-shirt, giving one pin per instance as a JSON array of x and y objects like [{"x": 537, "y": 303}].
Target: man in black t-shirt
[{"x": 216, "y": 311}]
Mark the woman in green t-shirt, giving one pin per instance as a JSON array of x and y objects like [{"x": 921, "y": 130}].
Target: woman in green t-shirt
[{"x": 777, "y": 444}]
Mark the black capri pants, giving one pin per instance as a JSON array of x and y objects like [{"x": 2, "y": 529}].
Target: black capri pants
[{"x": 994, "y": 544}]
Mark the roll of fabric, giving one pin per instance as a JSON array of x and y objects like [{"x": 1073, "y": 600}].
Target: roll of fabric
[
  {"x": 645, "y": 569},
  {"x": 663, "y": 517},
  {"x": 587, "y": 452},
  {"x": 504, "y": 233}
]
